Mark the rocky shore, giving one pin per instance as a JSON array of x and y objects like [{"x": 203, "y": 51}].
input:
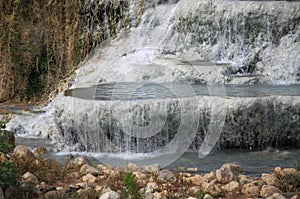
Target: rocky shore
[{"x": 77, "y": 178}]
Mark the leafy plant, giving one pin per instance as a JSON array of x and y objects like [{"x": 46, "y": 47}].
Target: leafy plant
[
  {"x": 130, "y": 187},
  {"x": 289, "y": 182},
  {"x": 8, "y": 175},
  {"x": 297, "y": 165},
  {"x": 4, "y": 146},
  {"x": 46, "y": 170},
  {"x": 2, "y": 124},
  {"x": 10, "y": 180}
]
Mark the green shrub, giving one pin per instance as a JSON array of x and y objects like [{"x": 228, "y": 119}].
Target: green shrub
[
  {"x": 4, "y": 146},
  {"x": 10, "y": 180},
  {"x": 130, "y": 187},
  {"x": 8, "y": 175},
  {"x": 46, "y": 170},
  {"x": 2, "y": 123}
]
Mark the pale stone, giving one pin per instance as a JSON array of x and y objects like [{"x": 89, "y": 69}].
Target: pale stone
[
  {"x": 105, "y": 168},
  {"x": 59, "y": 188},
  {"x": 243, "y": 179},
  {"x": 38, "y": 151},
  {"x": 22, "y": 151},
  {"x": 89, "y": 178},
  {"x": 195, "y": 180},
  {"x": 74, "y": 174},
  {"x": 289, "y": 171},
  {"x": 237, "y": 169},
  {"x": 295, "y": 197},
  {"x": 251, "y": 190},
  {"x": 152, "y": 185},
  {"x": 157, "y": 195},
  {"x": 225, "y": 175},
  {"x": 191, "y": 197},
  {"x": 29, "y": 177},
  {"x": 87, "y": 169},
  {"x": 278, "y": 196},
  {"x": 80, "y": 185},
  {"x": 80, "y": 161},
  {"x": 208, "y": 196},
  {"x": 114, "y": 174},
  {"x": 269, "y": 190},
  {"x": 269, "y": 179},
  {"x": 132, "y": 167},
  {"x": 140, "y": 175},
  {"x": 232, "y": 186},
  {"x": 42, "y": 186},
  {"x": 110, "y": 195},
  {"x": 152, "y": 168},
  {"x": 165, "y": 175},
  {"x": 211, "y": 188},
  {"x": 141, "y": 182},
  {"x": 278, "y": 170},
  {"x": 148, "y": 195},
  {"x": 208, "y": 177},
  {"x": 194, "y": 169},
  {"x": 195, "y": 189},
  {"x": 98, "y": 188},
  {"x": 52, "y": 194}
]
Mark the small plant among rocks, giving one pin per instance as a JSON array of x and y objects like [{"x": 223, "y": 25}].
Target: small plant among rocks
[
  {"x": 288, "y": 180},
  {"x": 10, "y": 178},
  {"x": 46, "y": 170},
  {"x": 131, "y": 189},
  {"x": 2, "y": 124},
  {"x": 4, "y": 146}
]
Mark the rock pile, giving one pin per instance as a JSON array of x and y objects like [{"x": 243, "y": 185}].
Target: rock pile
[{"x": 105, "y": 182}]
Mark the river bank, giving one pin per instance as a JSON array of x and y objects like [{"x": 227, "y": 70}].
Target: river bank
[{"x": 78, "y": 178}]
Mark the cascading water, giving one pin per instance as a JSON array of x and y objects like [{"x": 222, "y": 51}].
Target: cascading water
[{"x": 159, "y": 88}]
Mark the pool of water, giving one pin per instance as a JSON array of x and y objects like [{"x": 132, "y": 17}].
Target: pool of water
[
  {"x": 142, "y": 91},
  {"x": 253, "y": 163}
]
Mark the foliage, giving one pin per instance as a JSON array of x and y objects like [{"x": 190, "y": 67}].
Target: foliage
[
  {"x": 4, "y": 146},
  {"x": 2, "y": 123},
  {"x": 46, "y": 170},
  {"x": 10, "y": 180},
  {"x": 8, "y": 175},
  {"x": 288, "y": 182},
  {"x": 37, "y": 45},
  {"x": 131, "y": 188},
  {"x": 73, "y": 194},
  {"x": 43, "y": 41},
  {"x": 86, "y": 194},
  {"x": 297, "y": 165}
]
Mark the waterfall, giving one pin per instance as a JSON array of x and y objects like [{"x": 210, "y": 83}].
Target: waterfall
[{"x": 170, "y": 48}]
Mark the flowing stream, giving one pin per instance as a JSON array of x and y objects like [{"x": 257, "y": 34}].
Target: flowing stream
[{"x": 186, "y": 81}]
